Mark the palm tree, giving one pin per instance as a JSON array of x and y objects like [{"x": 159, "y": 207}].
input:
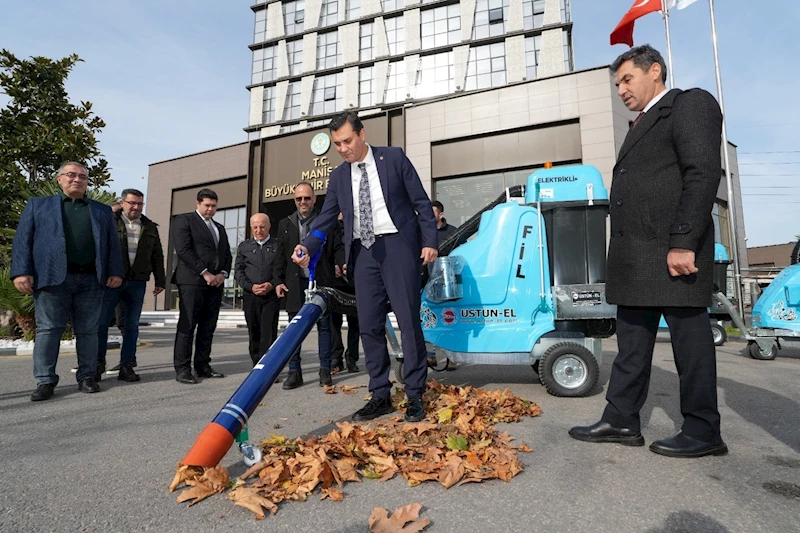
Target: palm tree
[{"x": 21, "y": 305}]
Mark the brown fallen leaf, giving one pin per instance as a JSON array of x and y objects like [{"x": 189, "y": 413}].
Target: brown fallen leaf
[
  {"x": 183, "y": 474},
  {"x": 199, "y": 492},
  {"x": 330, "y": 389},
  {"x": 216, "y": 477},
  {"x": 380, "y": 522},
  {"x": 333, "y": 494},
  {"x": 350, "y": 389},
  {"x": 524, "y": 447},
  {"x": 251, "y": 499}
]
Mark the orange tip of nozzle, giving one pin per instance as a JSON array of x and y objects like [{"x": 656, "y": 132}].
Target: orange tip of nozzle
[{"x": 210, "y": 447}]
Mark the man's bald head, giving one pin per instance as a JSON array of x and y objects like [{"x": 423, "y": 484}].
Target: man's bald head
[{"x": 259, "y": 226}]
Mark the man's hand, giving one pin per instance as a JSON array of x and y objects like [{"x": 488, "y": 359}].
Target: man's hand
[
  {"x": 338, "y": 271},
  {"x": 157, "y": 291},
  {"x": 280, "y": 290},
  {"x": 113, "y": 282},
  {"x": 219, "y": 279},
  {"x": 681, "y": 262},
  {"x": 209, "y": 277},
  {"x": 24, "y": 284},
  {"x": 429, "y": 255},
  {"x": 298, "y": 251}
]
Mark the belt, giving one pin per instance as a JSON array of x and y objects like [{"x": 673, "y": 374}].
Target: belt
[{"x": 89, "y": 268}]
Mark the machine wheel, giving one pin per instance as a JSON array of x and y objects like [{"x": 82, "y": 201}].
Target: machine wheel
[
  {"x": 398, "y": 371},
  {"x": 719, "y": 333},
  {"x": 568, "y": 369},
  {"x": 757, "y": 353}
]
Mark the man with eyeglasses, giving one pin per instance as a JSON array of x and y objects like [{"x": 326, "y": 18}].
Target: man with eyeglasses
[
  {"x": 65, "y": 253},
  {"x": 292, "y": 280},
  {"x": 142, "y": 255}
]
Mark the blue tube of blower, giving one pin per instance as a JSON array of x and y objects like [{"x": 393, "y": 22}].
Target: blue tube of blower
[{"x": 214, "y": 441}]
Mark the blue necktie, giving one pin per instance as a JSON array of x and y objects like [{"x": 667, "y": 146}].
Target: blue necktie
[{"x": 365, "y": 209}]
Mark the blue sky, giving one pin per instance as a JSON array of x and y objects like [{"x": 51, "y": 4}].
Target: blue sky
[{"x": 168, "y": 78}]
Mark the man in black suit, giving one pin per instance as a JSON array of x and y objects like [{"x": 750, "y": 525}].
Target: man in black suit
[
  {"x": 660, "y": 259},
  {"x": 292, "y": 280},
  {"x": 204, "y": 261},
  {"x": 389, "y": 233}
]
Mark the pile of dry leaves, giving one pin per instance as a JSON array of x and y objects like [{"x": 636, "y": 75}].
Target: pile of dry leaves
[{"x": 456, "y": 444}]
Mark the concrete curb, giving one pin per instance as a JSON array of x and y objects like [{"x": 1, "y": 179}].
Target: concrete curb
[{"x": 28, "y": 350}]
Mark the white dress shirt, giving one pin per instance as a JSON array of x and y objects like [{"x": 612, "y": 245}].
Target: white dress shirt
[
  {"x": 213, "y": 227},
  {"x": 381, "y": 221},
  {"x": 655, "y": 100}
]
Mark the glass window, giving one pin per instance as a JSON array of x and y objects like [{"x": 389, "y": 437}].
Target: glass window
[
  {"x": 396, "y": 34},
  {"x": 329, "y": 14},
  {"x": 533, "y": 47},
  {"x": 565, "y": 11},
  {"x": 260, "y": 34},
  {"x": 391, "y": 5},
  {"x": 487, "y": 18},
  {"x": 295, "y": 50},
  {"x": 486, "y": 66},
  {"x": 268, "y": 116},
  {"x": 464, "y": 197},
  {"x": 441, "y": 26},
  {"x": 293, "y": 16},
  {"x": 327, "y": 50},
  {"x": 235, "y": 221},
  {"x": 533, "y": 13},
  {"x": 436, "y": 75},
  {"x": 396, "y": 83},
  {"x": 265, "y": 66},
  {"x": 292, "y": 110},
  {"x": 328, "y": 96},
  {"x": 567, "y": 39},
  {"x": 365, "y": 87},
  {"x": 353, "y": 9},
  {"x": 365, "y": 46}
]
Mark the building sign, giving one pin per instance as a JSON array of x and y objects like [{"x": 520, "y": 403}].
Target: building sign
[
  {"x": 320, "y": 144},
  {"x": 316, "y": 176}
]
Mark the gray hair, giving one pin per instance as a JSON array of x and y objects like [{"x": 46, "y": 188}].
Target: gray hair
[
  {"x": 72, "y": 164},
  {"x": 644, "y": 57}
]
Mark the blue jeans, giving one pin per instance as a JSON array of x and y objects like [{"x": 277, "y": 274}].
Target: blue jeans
[
  {"x": 131, "y": 294},
  {"x": 325, "y": 340},
  {"x": 78, "y": 298}
]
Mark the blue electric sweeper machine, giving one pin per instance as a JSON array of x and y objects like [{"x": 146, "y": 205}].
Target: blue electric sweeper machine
[{"x": 529, "y": 288}]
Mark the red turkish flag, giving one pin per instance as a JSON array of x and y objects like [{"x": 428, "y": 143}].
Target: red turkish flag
[{"x": 623, "y": 33}]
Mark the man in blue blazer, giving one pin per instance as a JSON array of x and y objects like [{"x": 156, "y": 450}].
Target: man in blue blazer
[
  {"x": 65, "y": 253},
  {"x": 389, "y": 233}
]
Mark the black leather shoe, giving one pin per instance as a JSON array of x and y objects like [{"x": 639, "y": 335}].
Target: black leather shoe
[
  {"x": 352, "y": 368},
  {"x": 415, "y": 410},
  {"x": 337, "y": 365},
  {"x": 605, "y": 432},
  {"x": 98, "y": 375},
  {"x": 88, "y": 385},
  {"x": 687, "y": 447},
  {"x": 44, "y": 391},
  {"x": 186, "y": 377},
  {"x": 294, "y": 380},
  {"x": 374, "y": 409},
  {"x": 209, "y": 372},
  {"x": 126, "y": 373},
  {"x": 325, "y": 378}
]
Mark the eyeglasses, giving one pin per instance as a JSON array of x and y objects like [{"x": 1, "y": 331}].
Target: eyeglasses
[
  {"x": 73, "y": 175},
  {"x": 302, "y": 199},
  {"x": 134, "y": 204}
]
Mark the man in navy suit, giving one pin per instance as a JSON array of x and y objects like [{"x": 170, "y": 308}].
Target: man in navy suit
[
  {"x": 204, "y": 261},
  {"x": 389, "y": 233},
  {"x": 65, "y": 252}
]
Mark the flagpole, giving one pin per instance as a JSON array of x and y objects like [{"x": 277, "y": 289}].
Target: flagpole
[
  {"x": 665, "y": 16},
  {"x": 737, "y": 272}
]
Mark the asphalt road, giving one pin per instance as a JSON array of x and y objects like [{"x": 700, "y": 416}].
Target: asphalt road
[{"x": 102, "y": 462}]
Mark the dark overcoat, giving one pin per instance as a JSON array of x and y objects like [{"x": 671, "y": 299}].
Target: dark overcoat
[{"x": 663, "y": 190}]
